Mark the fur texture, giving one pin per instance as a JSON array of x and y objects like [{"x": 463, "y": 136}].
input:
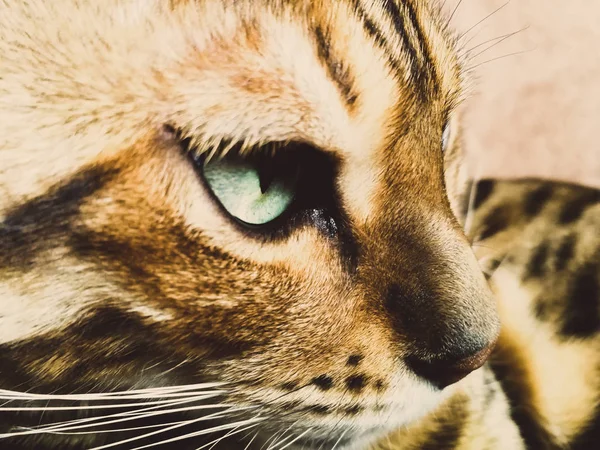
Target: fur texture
[{"x": 121, "y": 272}]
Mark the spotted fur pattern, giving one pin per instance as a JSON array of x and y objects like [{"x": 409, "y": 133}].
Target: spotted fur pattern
[{"x": 135, "y": 313}]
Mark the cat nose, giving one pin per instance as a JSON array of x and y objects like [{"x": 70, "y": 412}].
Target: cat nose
[{"x": 448, "y": 369}]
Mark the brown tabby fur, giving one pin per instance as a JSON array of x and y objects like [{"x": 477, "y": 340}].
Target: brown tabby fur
[{"x": 119, "y": 271}]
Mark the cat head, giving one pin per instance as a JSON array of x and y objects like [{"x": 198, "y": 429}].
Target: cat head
[{"x": 259, "y": 194}]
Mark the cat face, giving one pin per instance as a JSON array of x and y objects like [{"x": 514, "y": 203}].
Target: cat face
[{"x": 259, "y": 195}]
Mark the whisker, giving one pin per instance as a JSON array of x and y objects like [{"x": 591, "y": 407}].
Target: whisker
[
  {"x": 229, "y": 434},
  {"x": 269, "y": 442},
  {"x": 504, "y": 36},
  {"x": 340, "y": 439},
  {"x": 152, "y": 414},
  {"x": 251, "y": 441},
  {"x": 283, "y": 434},
  {"x": 186, "y": 436},
  {"x": 69, "y": 427},
  {"x": 344, "y": 393},
  {"x": 114, "y": 393},
  {"x": 293, "y": 391},
  {"x": 477, "y": 33},
  {"x": 484, "y": 19},
  {"x": 174, "y": 367},
  {"x": 296, "y": 439},
  {"x": 87, "y": 407},
  {"x": 116, "y": 430},
  {"x": 245, "y": 436},
  {"x": 124, "y": 413},
  {"x": 273, "y": 440},
  {"x": 497, "y": 58},
  {"x": 131, "y": 394},
  {"x": 454, "y": 11}
]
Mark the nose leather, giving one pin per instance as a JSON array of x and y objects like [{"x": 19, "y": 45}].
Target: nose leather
[{"x": 442, "y": 372}]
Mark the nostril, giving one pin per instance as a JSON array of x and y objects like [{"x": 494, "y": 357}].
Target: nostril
[{"x": 442, "y": 372}]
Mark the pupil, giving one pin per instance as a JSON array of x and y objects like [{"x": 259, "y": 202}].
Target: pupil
[{"x": 266, "y": 174}]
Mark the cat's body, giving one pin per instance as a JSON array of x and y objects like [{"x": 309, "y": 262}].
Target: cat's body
[
  {"x": 538, "y": 243},
  {"x": 164, "y": 274}
]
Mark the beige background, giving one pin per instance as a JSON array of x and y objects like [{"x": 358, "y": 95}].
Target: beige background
[{"x": 536, "y": 113}]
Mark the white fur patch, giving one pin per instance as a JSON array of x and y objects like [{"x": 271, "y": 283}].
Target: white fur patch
[
  {"x": 25, "y": 314},
  {"x": 49, "y": 298}
]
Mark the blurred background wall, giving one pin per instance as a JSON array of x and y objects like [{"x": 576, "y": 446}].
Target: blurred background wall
[{"x": 536, "y": 113}]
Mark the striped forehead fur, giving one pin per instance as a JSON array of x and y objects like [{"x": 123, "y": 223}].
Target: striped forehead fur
[
  {"x": 77, "y": 112},
  {"x": 137, "y": 268}
]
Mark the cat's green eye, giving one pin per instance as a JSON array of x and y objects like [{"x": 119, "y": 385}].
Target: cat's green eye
[{"x": 254, "y": 190}]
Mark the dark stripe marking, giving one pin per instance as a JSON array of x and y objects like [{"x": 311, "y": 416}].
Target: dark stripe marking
[
  {"x": 497, "y": 220},
  {"x": 536, "y": 199},
  {"x": 289, "y": 386},
  {"x": 483, "y": 190},
  {"x": 536, "y": 266},
  {"x": 375, "y": 33},
  {"x": 510, "y": 369},
  {"x": 492, "y": 267},
  {"x": 132, "y": 264},
  {"x": 418, "y": 74},
  {"x": 542, "y": 309},
  {"x": 320, "y": 410},
  {"x": 575, "y": 208},
  {"x": 119, "y": 362},
  {"x": 425, "y": 50},
  {"x": 566, "y": 251},
  {"x": 288, "y": 405},
  {"x": 448, "y": 426},
  {"x": 125, "y": 342},
  {"x": 44, "y": 222},
  {"x": 354, "y": 410},
  {"x": 589, "y": 437},
  {"x": 337, "y": 71},
  {"x": 581, "y": 318}
]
